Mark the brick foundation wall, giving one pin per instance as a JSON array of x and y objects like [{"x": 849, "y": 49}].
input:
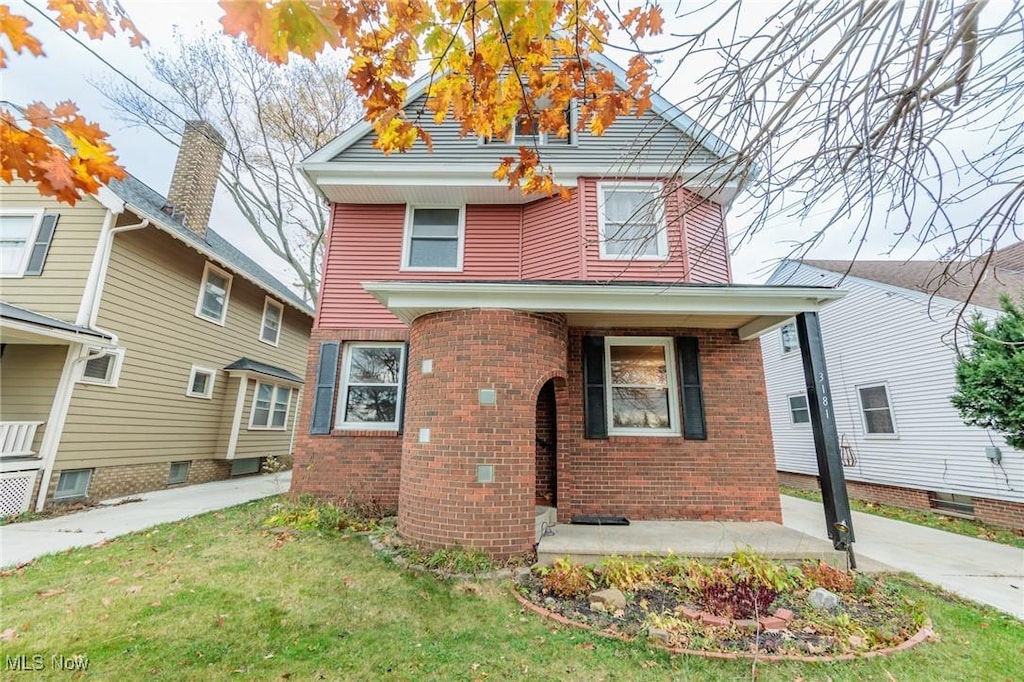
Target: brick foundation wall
[
  {"x": 440, "y": 501},
  {"x": 729, "y": 477},
  {"x": 346, "y": 467},
  {"x": 132, "y": 479},
  {"x": 546, "y": 446},
  {"x": 996, "y": 512}
]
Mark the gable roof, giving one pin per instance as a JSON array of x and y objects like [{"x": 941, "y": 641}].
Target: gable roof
[
  {"x": 147, "y": 203},
  {"x": 247, "y": 365},
  {"x": 1010, "y": 257},
  {"x": 661, "y": 106},
  {"x": 930, "y": 277}
]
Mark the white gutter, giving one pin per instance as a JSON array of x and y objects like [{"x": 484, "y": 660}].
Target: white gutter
[{"x": 87, "y": 313}]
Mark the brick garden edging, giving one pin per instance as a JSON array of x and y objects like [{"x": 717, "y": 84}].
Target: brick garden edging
[{"x": 924, "y": 634}]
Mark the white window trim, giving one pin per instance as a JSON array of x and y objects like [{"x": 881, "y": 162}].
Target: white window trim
[
  {"x": 674, "y": 413},
  {"x": 892, "y": 412},
  {"x": 37, "y": 215},
  {"x": 270, "y": 416},
  {"x": 789, "y": 406},
  {"x": 340, "y": 402},
  {"x": 662, "y": 237},
  {"x": 782, "y": 342},
  {"x": 202, "y": 290},
  {"x": 115, "y": 369},
  {"x": 543, "y": 137},
  {"x": 271, "y": 303},
  {"x": 407, "y": 239},
  {"x": 196, "y": 369}
]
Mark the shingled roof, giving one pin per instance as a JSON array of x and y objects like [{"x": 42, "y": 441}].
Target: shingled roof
[{"x": 936, "y": 278}]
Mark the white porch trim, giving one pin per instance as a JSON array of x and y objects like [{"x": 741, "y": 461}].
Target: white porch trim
[
  {"x": 751, "y": 310},
  {"x": 58, "y": 414},
  {"x": 236, "y": 420}
]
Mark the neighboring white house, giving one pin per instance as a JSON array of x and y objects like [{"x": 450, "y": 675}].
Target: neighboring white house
[{"x": 889, "y": 348}]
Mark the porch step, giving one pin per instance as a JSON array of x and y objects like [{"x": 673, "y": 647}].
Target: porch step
[
  {"x": 697, "y": 539},
  {"x": 545, "y": 517}
]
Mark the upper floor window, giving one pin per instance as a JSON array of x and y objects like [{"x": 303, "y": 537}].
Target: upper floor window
[
  {"x": 270, "y": 328},
  {"x": 19, "y": 231},
  {"x": 371, "y": 386},
  {"x": 790, "y": 340},
  {"x": 631, "y": 220},
  {"x": 434, "y": 239},
  {"x": 213, "y": 294},
  {"x": 526, "y": 132},
  {"x": 876, "y": 409}
]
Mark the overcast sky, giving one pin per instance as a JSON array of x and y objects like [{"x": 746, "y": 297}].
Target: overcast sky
[{"x": 68, "y": 68}]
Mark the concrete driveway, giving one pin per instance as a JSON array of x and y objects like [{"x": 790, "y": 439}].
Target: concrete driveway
[
  {"x": 987, "y": 572},
  {"x": 21, "y": 542}
]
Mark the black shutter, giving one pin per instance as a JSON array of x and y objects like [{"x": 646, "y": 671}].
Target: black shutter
[
  {"x": 595, "y": 421},
  {"x": 323, "y": 399},
  {"x": 42, "y": 245},
  {"x": 401, "y": 389},
  {"x": 688, "y": 355}
]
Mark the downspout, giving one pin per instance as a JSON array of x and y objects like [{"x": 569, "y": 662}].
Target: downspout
[{"x": 87, "y": 313}]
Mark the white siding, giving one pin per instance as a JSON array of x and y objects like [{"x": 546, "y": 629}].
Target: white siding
[{"x": 876, "y": 334}]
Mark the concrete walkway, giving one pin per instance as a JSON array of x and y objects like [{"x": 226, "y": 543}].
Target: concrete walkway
[
  {"x": 21, "y": 542},
  {"x": 987, "y": 572}
]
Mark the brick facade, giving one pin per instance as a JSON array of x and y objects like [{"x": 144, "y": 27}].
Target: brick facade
[
  {"x": 996, "y": 512},
  {"x": 728, "y": 477},
  {"x": 440, "y": 501},
  {"x": 347, "y": 467},
  {"x": 132, "y": 479}
]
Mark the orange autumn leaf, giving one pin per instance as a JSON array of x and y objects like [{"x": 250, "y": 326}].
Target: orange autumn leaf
[{"x": 14, "y": 27}]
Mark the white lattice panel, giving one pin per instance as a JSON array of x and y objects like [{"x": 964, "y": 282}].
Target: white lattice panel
[{"x": 16, "y": 492}]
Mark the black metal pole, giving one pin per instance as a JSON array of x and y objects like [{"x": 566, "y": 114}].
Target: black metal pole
[{"x": 838, "y": 519}]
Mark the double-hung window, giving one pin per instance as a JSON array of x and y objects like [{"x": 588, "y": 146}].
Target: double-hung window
[
  {"x": 799, "y": 412},
  {"x": 642, "y": 392},
  {"x": 214, "y": 292},
  {"x": 371, "y": 386},
  {"x": 270, "y": 328},
  {"x": 631, "y": 220},
  {"x": 876, "y": 409},
  {"x": 433, "y": 238},
  {"x": 270, "y": 407},
  {"x": 18, "y": 231}
]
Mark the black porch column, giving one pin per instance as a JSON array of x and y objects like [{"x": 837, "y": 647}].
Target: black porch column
[{"x": 839, "y": 523}]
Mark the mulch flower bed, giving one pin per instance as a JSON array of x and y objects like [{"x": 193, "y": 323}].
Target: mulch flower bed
[{"x": 744, "y": 605}]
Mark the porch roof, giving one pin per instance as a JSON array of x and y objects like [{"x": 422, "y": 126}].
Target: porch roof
[
  {"x": 750, "y": 309},
  {"x": 21, "y": 325},
  {"x": 243, "y": 365}
]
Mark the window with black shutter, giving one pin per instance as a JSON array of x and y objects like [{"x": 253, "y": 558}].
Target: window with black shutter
[
  {"x": 688, "y": 352},
  {"x": 326, "y": 377}
]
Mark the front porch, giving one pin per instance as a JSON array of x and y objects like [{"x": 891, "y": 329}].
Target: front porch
[{"x": 697, "y": 539}]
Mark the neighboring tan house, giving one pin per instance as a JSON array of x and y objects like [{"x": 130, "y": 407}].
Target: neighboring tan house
[
  {"x": 138, "y": 348},
  {"x": 477, "y": 351},
  {"x": 892, "y": 361}
]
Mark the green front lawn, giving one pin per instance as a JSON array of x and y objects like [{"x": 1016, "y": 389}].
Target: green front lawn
[
  {"x": 221, "y": 597},
  {"x": 968, "y": 527}
]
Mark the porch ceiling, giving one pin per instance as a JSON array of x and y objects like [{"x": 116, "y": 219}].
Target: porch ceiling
[{"x": 751, "y": 310}]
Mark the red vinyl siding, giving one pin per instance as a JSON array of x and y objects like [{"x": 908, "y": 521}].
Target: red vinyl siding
[
  {"x": 546, "y": 239},
  {"x": 707, "y": 249},
  {"x": 551, "y": 239}
]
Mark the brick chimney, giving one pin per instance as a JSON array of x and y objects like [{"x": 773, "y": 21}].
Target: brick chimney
[{"x": 195, "y": 175}]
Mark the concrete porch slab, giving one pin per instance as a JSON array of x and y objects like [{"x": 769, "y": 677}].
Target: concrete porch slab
[{"x": 698, "y": 539}]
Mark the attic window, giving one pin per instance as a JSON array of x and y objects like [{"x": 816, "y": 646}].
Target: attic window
[{"x": 525, "y": 132}]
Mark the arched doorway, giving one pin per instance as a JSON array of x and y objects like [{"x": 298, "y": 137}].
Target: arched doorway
[{"x": 546, "y": 486}]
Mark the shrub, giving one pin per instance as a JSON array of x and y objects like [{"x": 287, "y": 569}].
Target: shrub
[
  {"x": 726, "y": 594},
  {"x": 749, "y": 565},
  {"x": 829, "y": 577},
  {"x": 310, "y": 514},
  {"x": 625, "y": 574},
  {"x": 460, "y": 560},
  {"x": 566, "y": 579}
]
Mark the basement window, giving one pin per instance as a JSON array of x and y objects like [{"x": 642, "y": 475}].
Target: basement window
[
  {"x": 952, "y": 504},
  {"x": 73, "y": 485},
  {"x": 178, "y": 473}
]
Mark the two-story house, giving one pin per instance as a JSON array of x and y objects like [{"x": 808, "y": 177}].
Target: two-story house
[
  {"x": 139, "y": 349},
  {"x": 891, "y": 349},
  {"x": 477, "y": 351}
]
